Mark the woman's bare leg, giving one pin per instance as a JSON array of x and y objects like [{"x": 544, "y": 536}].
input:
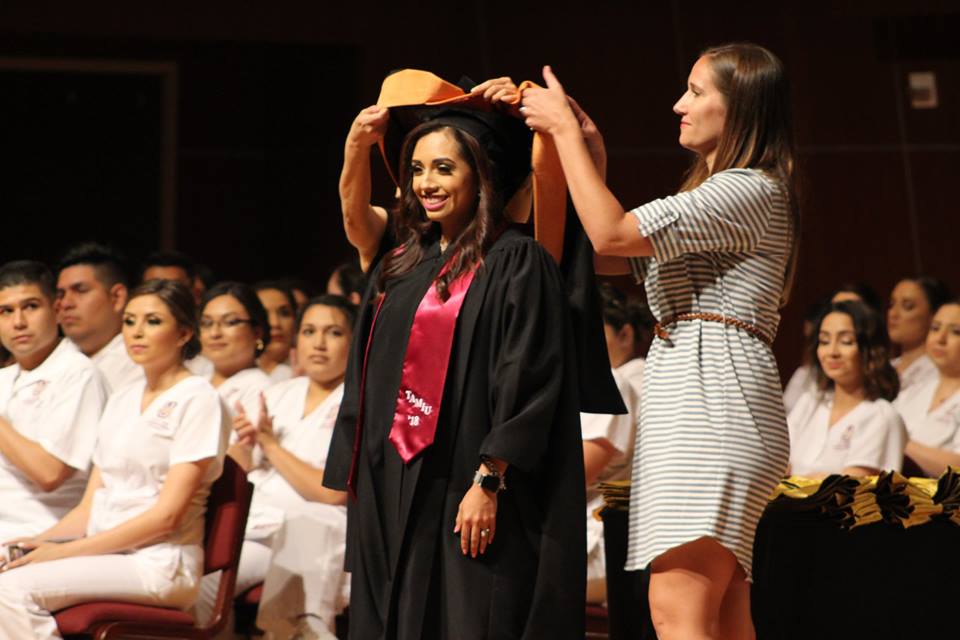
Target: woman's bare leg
[
  {"x": 736, "y": 623},
  {"x": 687, "y": 588}
]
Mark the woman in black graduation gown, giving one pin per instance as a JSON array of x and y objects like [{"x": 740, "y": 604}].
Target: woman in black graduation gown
[{"x": 479, "y": 533}]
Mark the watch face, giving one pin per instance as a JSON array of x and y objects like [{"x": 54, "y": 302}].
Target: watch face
[{"x": 490, "y": 483}]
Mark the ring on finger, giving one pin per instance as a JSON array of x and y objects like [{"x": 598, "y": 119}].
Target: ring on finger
[{"x": 484, "y": 533}]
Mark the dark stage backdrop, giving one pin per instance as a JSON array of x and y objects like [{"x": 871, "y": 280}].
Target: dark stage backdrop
[{"x": 266, "y": 91}]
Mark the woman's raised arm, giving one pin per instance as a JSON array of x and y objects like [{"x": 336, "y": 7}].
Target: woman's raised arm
[
  {"x": 363, "y": 222},
  {"x": 611, "y": 230}
]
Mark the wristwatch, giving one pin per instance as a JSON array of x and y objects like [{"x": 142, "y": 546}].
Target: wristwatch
[{"x": 492, "y": 481}]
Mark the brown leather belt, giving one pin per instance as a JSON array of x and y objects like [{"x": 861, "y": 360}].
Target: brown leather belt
[{"x": 753, "y": 330}]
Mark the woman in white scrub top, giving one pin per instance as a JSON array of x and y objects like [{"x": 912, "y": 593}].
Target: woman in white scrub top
[
  {"x": 912, "y": 305},
  {"x": 848, "y": 425},
  {"x": 234, "y": 332},
  {"x": 281, "y": 308},
  {"x": 931, "y": 410},
  {"x": 137, "y": 534},
  {"x": 296, "y": 532}
]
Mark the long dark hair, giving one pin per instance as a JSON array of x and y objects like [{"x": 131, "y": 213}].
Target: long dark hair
[
  {"x": 179, "y": 300},
  {"x": 414, "y": 231},
  {"x": 758, "y": 132},
  {"x": 880, "y": 379}
]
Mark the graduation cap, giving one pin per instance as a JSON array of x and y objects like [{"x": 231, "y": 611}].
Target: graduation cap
[{"x": 415, "y": 97}]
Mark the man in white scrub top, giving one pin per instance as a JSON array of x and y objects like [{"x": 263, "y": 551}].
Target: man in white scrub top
[
  {"x": 50, "y": 403},
  {"x": 91, "y": 295}
]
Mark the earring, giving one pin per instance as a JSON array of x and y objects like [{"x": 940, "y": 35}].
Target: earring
[{"x": 260, "y": 345}]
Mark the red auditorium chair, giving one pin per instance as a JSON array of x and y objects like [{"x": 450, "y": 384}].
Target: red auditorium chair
[
  {"x": 598, "y": 623},
  {"x": 226, "y": 518}
]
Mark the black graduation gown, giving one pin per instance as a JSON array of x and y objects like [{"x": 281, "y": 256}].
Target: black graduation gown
[{"x": 512, "y": 393}]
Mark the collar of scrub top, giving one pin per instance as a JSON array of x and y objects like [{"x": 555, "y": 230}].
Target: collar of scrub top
[{"x": 415, "y": 96}]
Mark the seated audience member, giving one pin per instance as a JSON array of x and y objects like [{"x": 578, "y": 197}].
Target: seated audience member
[
  {"x": 348, "y": 281},
  {"x": 281, "y": 308},
  {"x": 608, "y": 440},
  {"x": 301, "y": 290},
  {"x": 91, "y": 294},
  {"x": 848, "y": 426},
  {"x": 234, "y": 332},
  {"x": 50, "y": 401},
  {"x": 295, "y": 522},
  {"x": 204, "y": 279},
  {"x": 912, "y": 304},
  {"x": 137, "y": 535},
  {"x": 803, "y": 381},
  {"x": 858, "y": 292},
  {"x": 171, "y": 265},
  {"x": 931, "y": 409},
  {"x": 176, "y": 266}
]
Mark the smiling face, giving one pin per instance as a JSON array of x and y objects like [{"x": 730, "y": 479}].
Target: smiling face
[
  {"x": 151, "y": 333},
  {"x": 838, "y": 352},
  {"x": 909, "y": 315},
  {"x": 943, "y": 340},
  {"x": 87, "y": 309},
  {"x": 227, "y": 335},
  {"x": 282, "y": 319},
  {"x": 444, "y": 182},
  {"x": 28, "y": 323},
  {"x": 703, "y": 112},
  {"x": 323, "y": 344}
]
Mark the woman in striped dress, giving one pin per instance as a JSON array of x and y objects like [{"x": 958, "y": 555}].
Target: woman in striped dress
[{"x": 717, "y": 260}]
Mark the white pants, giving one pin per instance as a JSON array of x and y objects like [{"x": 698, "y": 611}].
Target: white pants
[
  {"x": 30, "y": 593},
  {"x": 306, "y": 586},
  {"x": 254, "y": 560},
  {"x": 596, "y": 561}
]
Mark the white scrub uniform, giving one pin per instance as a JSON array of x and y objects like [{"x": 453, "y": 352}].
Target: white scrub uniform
[
  {"x": 245, "y": 387},
  {"x": 281, "y": 373},
  {"x": 115, "y": 364},
  {"x": 920, "y": 371},
  {"x": 296, "y": 547},
  {"x": 803, "y": 381},
  {"x": 871, "y": 435},
  {"x": 633, "y": 370},
  {"x": 619, "y": 431},
  {"x": 200, "y": 365},
  {"x": 57, "y": 405},
  {"x": 135, "y": 451},
  {"x": 939, "y": 428}
]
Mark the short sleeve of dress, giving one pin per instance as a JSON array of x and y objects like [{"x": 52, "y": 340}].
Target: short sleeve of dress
[
  {"x": 638, "y": 268},
  {"x": 203, "y": 429},
  {"x": 878, "y": 441},
  {"x": 729, "y": 212}
]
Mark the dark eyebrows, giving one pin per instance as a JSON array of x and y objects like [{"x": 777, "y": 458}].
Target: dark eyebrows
[{"x": 436, "y": 161}]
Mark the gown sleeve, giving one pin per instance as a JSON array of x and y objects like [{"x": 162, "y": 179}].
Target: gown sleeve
[
  {"x": 729, "y": 212},
  {"x": 527, "y": 359},
  {"x": 340, "y": 455}
]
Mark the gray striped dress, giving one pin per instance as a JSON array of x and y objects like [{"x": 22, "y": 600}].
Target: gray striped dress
[{"x": 712, "y": 440}]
